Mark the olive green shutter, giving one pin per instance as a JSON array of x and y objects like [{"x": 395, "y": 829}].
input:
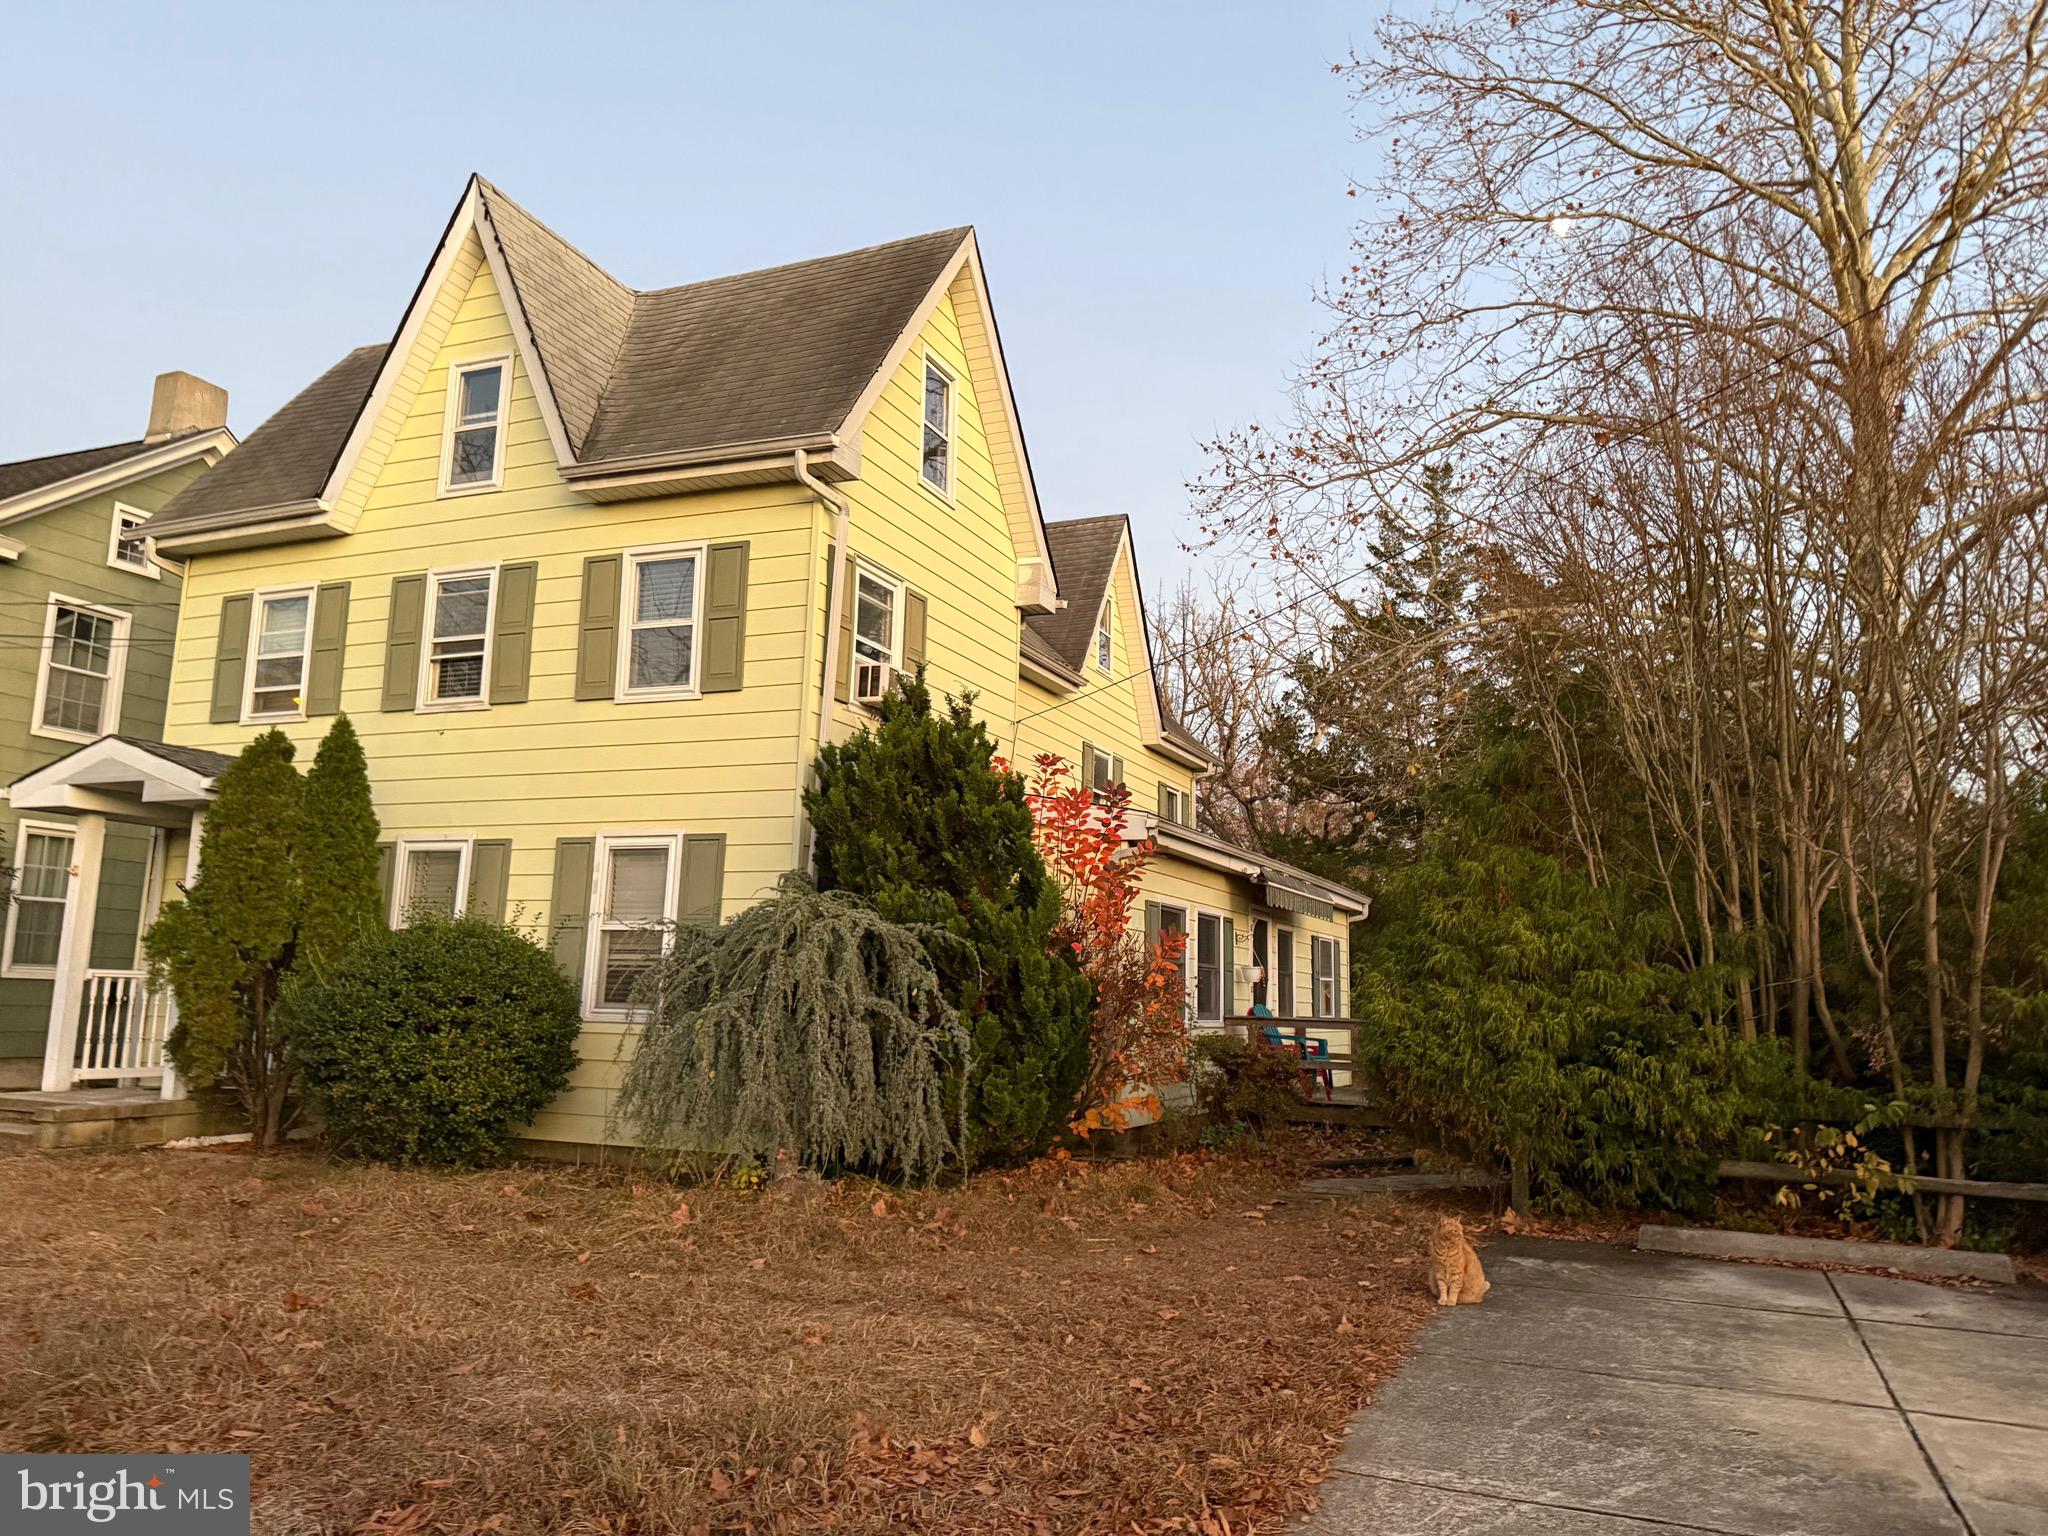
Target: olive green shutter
[
  {"x": 330, "y": 636},
  {"x": 703, "y": 878},
  {"x": 1152, "y": 927},
  {"x": 230, "y": 656},
  {"x": 842, "y": 686},
  {"x": 597, "y": 633},
  {"x": 725, "y": 617},
  {"x": 1165, "y": 801},
  {"x": 387, "y": 876},
  {"x": 1229, "y": 968},
  {"x": 512, "y": 633},
  {"x": 402, "y": 641},
  {"x": 1087, "y": 766},
  {"x": 490, "y": 870},
  {"x": 569, "y": 909},
  {"x": 914, "y": 614}
]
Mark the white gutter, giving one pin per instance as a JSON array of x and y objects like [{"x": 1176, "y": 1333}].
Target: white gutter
[{"x": 835, "y": 583}]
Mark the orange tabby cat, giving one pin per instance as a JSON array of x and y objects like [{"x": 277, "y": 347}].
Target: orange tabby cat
[{"x": 1454, "y": 1266}]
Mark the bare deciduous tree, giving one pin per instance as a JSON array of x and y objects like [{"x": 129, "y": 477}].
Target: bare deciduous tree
[{"x": 1732, "y": 318}]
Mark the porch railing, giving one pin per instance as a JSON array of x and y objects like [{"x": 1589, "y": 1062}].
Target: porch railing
[
  {"x": 1337, "y": 1037},
  {"x": 122, "y": 1027}
]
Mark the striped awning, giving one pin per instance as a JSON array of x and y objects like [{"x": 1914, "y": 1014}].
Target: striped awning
[{"x": 1292, "y": 898}]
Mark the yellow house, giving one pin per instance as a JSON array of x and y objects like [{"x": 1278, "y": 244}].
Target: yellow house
[{"x": 595, "y": 570}]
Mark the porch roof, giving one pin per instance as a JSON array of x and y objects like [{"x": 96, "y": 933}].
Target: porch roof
[
  {"x": 1281, "y": 886},
  {"x": 124, "y": 778}
]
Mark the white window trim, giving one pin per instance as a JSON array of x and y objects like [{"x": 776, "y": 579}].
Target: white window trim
[
  {"x": 593, "y": 927},
  {"x": 149, "y": 566},
  {"x": 898, "y": 596},
  {"x": 425, "y": 703},
  {"x": 311, "y": 592},
  {"x": 1184, "y": 810},
  {"x": 1116, "y": 766},
  {"x": 117, "y": 670},
  {"x": 463, "y": 843},
  {"x": 1315, "y": 977},
  {"x": 450, "y": 409},
  {"x": 629, "y": 564},
  {"x": 1227, "y": 962},
  {"x": 1105, "y": 639},
  {"x": 22, "y": 832},
  {"x": 1285, "y": 975},
  {"x": 948, "y": 493}
]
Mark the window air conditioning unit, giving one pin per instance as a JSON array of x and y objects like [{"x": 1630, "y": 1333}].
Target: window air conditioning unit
[{"x": 870, "y": 681}]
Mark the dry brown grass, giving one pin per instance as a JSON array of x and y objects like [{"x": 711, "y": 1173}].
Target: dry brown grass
[{"x": 1161, "y": 1346}]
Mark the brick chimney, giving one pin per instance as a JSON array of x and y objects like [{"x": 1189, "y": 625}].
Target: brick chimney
[{"x": 184, "y": 402}]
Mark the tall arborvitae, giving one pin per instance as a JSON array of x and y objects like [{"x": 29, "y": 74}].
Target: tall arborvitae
[
  {"x": 227, "y": 948},
  {"x": 338, "y": 851},
  {"x": 914, "y": 815}
]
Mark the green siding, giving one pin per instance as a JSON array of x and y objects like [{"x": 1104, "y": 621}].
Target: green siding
[{"x": 67, "y": 553}]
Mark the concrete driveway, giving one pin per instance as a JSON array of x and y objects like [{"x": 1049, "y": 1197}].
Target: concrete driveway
[{"x": 1599, "y": 1392}]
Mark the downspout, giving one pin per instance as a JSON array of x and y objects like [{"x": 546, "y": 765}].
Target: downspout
[{"x": 835, "y": 583}]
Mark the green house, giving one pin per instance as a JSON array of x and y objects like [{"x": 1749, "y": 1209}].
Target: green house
[{"x": 91, "y": 617}]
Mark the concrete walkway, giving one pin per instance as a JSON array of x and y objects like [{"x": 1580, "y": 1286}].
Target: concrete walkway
[{"x": 1599, "y": 1392}]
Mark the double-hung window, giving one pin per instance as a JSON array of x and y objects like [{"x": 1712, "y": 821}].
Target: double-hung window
[
  {"x": 128, "y": 547},
  {"x": 1104, "y": 640},
  {"x": 633, "y": 908},
  {"x": 664, "y": 589},
  {"x": 877, "y": 633},
  {"x": 433, "y": 878},
  {"x": 1209, "y": 963},
  {"x": 281, "y": 630},
  {"x": 458, "y": 646},
  {"x": 1324, "y": 956},
  {"x": 1283, "y": 966},
  {"x": 35, "y": 918},
  {"x": 473, "y": 455},
  {"x": 85, "y": 649},
  {"x": 938, "y": 428},
  {"x": 1102, "y": 770}
]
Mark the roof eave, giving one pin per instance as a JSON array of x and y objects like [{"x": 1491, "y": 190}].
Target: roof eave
[
  {"x": 211, "y": 446},
  {"x": 249, "y": 527}
]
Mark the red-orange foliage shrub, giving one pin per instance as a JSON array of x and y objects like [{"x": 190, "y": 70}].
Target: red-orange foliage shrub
[{"x": 1139, "y": 1038}]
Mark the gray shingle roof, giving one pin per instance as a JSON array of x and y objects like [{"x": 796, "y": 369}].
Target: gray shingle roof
[
  {"x": 1083, "y": 551},
  {"x": 293, "y": 452},
  {"x": 198, "y": 759},
  {"x": 33, "y": 474},
  {"x": 577, "y": 311},
  {"x": 784, "y": 352},
  {"x": 779, "y": 353}
]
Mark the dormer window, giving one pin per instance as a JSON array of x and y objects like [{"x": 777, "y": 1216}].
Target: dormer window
[
  {"x": 474, "y": 454},
  {"x": 128, "y": 549},
  {"x": 1102, "y": 641},
  {"x": 938, "y": 428}
]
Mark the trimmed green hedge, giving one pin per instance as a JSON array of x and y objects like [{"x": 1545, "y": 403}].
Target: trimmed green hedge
[{"x": 435, "y": 1042}]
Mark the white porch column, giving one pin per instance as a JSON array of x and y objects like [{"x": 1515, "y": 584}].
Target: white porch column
[
  {"x": 173, "y": 1085},
  {"x": 74, "y": 950}
]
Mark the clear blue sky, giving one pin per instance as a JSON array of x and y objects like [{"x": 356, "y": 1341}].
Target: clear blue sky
[{"x": 249, "y": 192}]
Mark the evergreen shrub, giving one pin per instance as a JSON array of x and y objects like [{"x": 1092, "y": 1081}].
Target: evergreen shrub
[
  {"x": 808, "y": 1026},
  {"x": 433, "y": 1043},
  {"x": 1242, "y": 1087},
  {"x": 916, "y": 815}
]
